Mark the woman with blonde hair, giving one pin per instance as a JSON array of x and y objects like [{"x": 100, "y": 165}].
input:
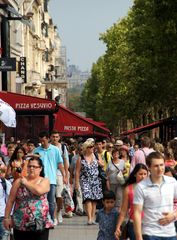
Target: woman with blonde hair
[{"x": 87, "y": 175}]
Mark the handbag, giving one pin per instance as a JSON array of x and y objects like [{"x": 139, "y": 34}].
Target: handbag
[
  {"x": 125, "y": 233},
  {"x": 102, "y": 173},
  {"x": 120, "y": 176}
]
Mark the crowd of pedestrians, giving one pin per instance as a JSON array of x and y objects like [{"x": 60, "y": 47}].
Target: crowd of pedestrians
[{"x": 127, "y": 187}]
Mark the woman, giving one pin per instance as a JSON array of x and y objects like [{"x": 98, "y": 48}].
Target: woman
[
  {"x": 87, "y": 174},
  {"x": 17, "y": 166},
  {"x": 113, "y": 168},
  {"x": 29, "y": 194},
  {"x": 139, "y": 173}
]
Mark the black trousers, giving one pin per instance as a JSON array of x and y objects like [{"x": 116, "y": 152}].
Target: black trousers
[{"x": 27, "y": 235}]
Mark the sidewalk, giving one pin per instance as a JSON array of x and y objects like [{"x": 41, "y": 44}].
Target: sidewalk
[{"x": 74, "y": 229}]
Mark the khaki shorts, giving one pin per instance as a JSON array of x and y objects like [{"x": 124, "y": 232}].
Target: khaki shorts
[{"x": 59, "y": 187}]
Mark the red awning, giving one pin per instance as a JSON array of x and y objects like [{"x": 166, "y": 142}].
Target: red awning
[
  {"x": 69, "y": 124},
  {"x": 21, "y": 102},
  {"x": 145, "y": 127}
]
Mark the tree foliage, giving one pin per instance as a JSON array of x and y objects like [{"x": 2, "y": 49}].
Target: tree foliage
[{"x": 138, "y": 73}]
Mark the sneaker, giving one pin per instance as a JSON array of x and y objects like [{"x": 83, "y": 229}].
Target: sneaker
[
  {"x": 60, "y": 218},
  {"x": 55, "y": 223}
]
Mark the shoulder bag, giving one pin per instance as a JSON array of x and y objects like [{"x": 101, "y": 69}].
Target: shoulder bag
[{"x": 120, "y": 176}]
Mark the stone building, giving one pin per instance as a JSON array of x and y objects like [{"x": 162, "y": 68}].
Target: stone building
[{"x": 34, "y": 39}]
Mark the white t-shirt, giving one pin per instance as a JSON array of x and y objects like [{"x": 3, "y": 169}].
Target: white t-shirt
[{"x": 113, "y": 171}]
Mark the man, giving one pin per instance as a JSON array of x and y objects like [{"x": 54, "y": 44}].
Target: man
[
  {"x": 141, "y": 154},
  {"x": 102, "y": 154},
  {"x": 52, "y": 160},
  {"x": 155, "y": 197},
  {"x": 56, "y": 141}
]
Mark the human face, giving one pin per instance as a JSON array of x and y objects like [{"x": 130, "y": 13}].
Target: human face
[
  {"x": 55, "y": 137},
  {"x": 44, "y": 141},
  {"x": 34, "y": 168},
  {"x": 115, "y": 155},
  {"x": 30, "y": 147},
  {"x": 90, "y": 148},
  {"x": 99, "y": 146},
  {"x": 157, "y": 168},
  {"x": 109, "y": 204},
  {"x": 140, "y": 175},
  {"x": 20, "y": 153}
]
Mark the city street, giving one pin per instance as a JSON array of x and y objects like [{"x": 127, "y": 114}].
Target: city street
[{"x": 74, "y": 229}]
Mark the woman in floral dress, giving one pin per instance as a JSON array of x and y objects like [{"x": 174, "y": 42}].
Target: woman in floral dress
[
  {"x": 87, "y": 174},
  {"x": 31, "y": 219}
]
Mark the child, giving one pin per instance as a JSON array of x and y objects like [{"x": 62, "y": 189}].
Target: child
[{"x": 107, "y": 217}]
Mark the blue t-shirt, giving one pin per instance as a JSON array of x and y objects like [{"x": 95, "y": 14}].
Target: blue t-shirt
[
  {"x": 107, "y": 224},
  {"x": 50, "y": 157}
]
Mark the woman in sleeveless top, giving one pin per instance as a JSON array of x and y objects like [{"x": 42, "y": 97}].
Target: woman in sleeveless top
[
  {"x": 87, "y": 175},
  {"x": 138, "y": 174},
  {"x": 17, "y": 166},
  {"x": 31, "y": 219}
]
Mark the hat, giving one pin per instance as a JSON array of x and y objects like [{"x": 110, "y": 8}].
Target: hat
[
  {"x": 90, "y": 140},
  {"x": 119, "y": 143},
  {"x": 124, "y": 147}
]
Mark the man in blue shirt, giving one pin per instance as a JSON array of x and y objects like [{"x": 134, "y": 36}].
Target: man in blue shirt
[{"x": 52, "y": 160}]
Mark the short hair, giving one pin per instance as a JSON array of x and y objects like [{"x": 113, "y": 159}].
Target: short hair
[
  {"x": 115, "y": 150},
  {"x": 109, "y": 195},
  {"x": 153, "y": 155},
  {"x": 44, "y": 134},
  {"x": 145, "y": 141},
  {"x": 55, "y": 131}
]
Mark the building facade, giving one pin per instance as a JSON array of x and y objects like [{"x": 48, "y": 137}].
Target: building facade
[{"x": 36, "y": 45}]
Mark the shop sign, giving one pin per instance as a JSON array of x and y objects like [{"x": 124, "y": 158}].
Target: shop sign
[
  {"x": 7, "y": 64},
  {"x": 33, "y": 106},
  {"x": 76, "y": 128},
  {"x": 22, "y": 68}
]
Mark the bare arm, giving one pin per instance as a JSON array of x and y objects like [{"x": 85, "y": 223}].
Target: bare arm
[
  {"x": 60, "y": 166},
  {"x": 37, "y": 189},
  {"x": 123, "y": 212},
  {"x": 77, "y": 175},
  {"x": 137, "y": 221},
  {"x": 66, "y": 167}
]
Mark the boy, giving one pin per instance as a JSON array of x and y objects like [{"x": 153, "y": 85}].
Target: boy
[{"x": 107, "y": 217}]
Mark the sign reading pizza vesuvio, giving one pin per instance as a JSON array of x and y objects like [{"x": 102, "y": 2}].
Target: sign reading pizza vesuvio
[{"x": 22, "y": 68}]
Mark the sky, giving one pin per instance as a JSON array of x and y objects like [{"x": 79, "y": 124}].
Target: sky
[{"x": 80, "y": 23}]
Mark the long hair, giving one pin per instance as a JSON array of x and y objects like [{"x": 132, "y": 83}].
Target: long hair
[
  {"x": 37, "y": 159},
  {"x": 14, "y": 155},
  {"x": 132, "y": 177}
]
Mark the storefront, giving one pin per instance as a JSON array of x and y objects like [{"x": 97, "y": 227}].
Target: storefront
[
  {"x": 71, "y": 124},
  {"x": 33, "y": 115}
]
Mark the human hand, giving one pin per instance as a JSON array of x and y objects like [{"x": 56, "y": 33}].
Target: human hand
[
  {"x": 23, "y": 181},
  {"x": 117, "y": 233},
  {"x": 65, "y": 180},
  {"x": 167, "y": 218},
  {"x": 8, "y": 224}
]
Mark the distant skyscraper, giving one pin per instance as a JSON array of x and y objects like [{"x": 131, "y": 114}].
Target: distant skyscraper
[{"x": 76, "y": 77}]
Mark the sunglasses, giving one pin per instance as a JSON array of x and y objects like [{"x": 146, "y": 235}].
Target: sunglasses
[
  {"x": 90, "y": 147},
  {"x": 33, "y": 166},
  {"x": 110, "y": 146}
]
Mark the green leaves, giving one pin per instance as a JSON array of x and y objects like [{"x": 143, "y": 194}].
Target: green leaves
[{"x": 138, "y": 72}]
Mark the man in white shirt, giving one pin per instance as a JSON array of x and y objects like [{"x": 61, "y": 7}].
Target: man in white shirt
[{"x": 154, "y": 196}]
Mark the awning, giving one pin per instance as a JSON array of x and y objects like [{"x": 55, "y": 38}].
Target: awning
[
  {"x": 146, "y": 127},
  {"x": 69, "y": 123},
  {"x": 20, "y": 102}
]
